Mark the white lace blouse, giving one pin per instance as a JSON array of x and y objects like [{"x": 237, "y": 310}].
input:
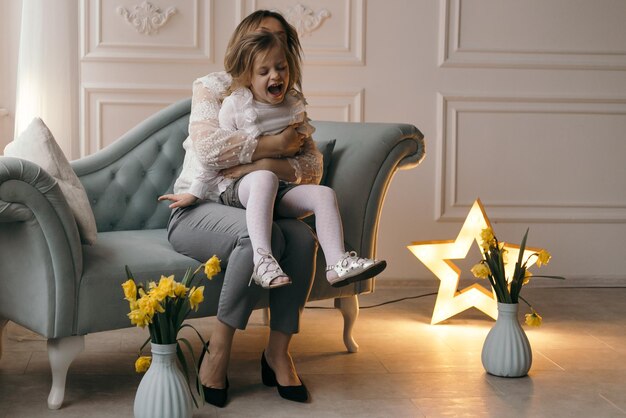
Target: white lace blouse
[{"x": 211, "y": 148}]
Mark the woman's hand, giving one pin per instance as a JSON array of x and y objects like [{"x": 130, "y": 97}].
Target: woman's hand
[
  {"x": 291, "y": 141},
  {"x": 180, "y": 200},
  {"x": 285, "y": 144}
]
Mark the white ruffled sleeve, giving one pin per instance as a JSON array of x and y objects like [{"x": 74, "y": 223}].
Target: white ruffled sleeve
[
  {"x": 228, "y": 115},
  {"x": 216, "y": 148},
  {"x": 307, "y": 164}
]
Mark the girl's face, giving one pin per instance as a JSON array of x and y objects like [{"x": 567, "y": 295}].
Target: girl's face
[{"x": 270, "y": 76}]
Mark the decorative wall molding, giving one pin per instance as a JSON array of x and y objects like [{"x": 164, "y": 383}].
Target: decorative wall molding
[
  {"x": 336, "y": 41},
  {"x": 452, "y": 54},
  {"x": 145, "y": 17},
  {"x": 95, "y": 97},
  {"x": 305, "y": 19},
  {"x": 190, "y": 39},
  {"x": 337, "y": 106},
  {"x": 449, "y": 206}
]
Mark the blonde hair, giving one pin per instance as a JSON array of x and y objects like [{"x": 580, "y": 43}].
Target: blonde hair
[
  {"x": 239, "y": 63},
  {"x": 252, "y": 23}
]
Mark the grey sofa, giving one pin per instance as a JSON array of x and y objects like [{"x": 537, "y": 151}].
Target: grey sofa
[{"x": 53, "y": 285}]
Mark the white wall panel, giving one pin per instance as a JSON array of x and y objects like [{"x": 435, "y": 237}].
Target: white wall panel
[
  {"x": 533, "y": 33},
  {"x": 185, "y": 34},
  {"x": 335, "y": 106},
  {"x": 533, "y": 159},
  {"x": 111, "y": 111}
]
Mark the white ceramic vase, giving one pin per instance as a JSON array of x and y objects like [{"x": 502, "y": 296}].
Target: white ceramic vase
[
  {"x": 506, "y": 351},
  {"x": 163, "y": 391}
]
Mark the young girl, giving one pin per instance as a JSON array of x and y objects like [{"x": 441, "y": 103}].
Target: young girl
[{"x": 263, "y": 101}]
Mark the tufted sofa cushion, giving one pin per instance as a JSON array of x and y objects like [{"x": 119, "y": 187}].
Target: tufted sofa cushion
[{"x": 123, "y": 193}]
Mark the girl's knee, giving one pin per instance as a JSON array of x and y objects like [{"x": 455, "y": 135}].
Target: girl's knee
[
  {"x": 264, "y": 176},
  {"x": 326, "y": 194}
]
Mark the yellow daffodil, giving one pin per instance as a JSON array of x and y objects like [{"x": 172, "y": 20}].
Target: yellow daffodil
[
  {"x": 139, "y": 317},
  {"x": 481, "y": 271},
  {"x": 488, "y": 239},
  {"x": 180, "y": 290},
  {"x": 166, "y": 286},
  {"x": 150, "y": 305},
  {"x": 543, "y": 257},
  {"x": 196, "y": 296},
  {"x": 212, "y": 267},
  {"x": 533, "y": 319},
  {"x": 133, "y": 305},
  {"x": 130, "y": 290},
  {"x": 142, "y": 364},
  {"x": 167, "y": 297},
  {"x": 527, "y": 276}
]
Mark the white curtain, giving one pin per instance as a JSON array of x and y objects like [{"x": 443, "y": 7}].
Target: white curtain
[{"x": 47, "y": 72}]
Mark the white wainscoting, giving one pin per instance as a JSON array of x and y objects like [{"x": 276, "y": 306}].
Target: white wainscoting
[
  {"x": 112, "y": 110},
  {"x": 533, "y": 34},
  {"x": 184, "y": 37},
  {"x": 532, "y": 159}
]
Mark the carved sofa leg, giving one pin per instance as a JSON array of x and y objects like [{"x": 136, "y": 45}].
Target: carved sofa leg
[
  {"x": 349, "y": 308},
  {"x": 3, "y": 323},
  {"x": 61, "y": 353}
]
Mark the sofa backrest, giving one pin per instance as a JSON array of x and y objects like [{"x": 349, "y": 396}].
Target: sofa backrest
[{"x": 124, "y": 179}]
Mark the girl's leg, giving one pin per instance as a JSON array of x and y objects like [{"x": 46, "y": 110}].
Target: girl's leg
[
  {"x": 257, "y": 193},
  {"x": 322, "y": 201},
  {"x": 215, "y": 364},
  {"x": 343, "y": 268}
]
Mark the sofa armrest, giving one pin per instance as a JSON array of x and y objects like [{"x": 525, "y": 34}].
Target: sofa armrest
[
  {"x": 40, "y": 250},
  {"x": 365, "y": 158}
]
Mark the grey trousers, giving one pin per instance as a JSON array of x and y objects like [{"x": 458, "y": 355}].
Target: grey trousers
[{"x": 209, "y": 228}]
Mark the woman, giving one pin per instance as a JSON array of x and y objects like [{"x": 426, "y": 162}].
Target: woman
[{"x": 199, "y": 230}]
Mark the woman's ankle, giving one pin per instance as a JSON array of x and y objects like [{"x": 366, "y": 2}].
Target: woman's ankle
[{"x": 212, "y": 371}]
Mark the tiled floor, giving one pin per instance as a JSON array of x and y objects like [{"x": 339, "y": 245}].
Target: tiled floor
[{"x": 405, "y": 367}]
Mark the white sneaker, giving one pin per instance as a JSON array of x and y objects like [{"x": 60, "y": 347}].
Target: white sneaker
[{"x": 351, "y": 268}]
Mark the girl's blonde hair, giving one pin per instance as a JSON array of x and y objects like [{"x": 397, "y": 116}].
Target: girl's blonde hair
[
  {"x": 252, "y": 23},
  {"x": 239, "y": 62}
]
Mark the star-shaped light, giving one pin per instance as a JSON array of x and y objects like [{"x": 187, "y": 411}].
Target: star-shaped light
[{"x": 436, "y": 255}]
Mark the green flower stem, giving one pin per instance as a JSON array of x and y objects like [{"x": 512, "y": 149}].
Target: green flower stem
[{"x": 183, "y": 362}]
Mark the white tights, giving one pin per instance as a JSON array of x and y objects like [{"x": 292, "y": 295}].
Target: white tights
[{"x": 257, "y": 193}]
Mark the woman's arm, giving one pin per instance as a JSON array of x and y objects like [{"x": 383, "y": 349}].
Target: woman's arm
[{"x": 304, "y": 168}]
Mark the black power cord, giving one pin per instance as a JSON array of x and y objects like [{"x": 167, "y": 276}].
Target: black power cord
[
  {"x": 378, "y": 304},
  {"x": 434, "y": 293}
]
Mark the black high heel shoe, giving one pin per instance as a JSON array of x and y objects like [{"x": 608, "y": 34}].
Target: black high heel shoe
[
  {"x": 214, "y": 396},
  {"x": 291, "y": 393}
]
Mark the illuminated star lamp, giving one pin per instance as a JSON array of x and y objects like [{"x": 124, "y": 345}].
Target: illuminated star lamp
[{"x": 436, "y": 255}]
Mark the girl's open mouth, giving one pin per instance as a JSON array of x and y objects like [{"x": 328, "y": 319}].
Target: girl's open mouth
[{"x": 275, "y": 89}]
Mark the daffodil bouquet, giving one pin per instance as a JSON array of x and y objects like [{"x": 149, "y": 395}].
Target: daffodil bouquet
[
  {"x": 163, "y": 306},
  {"x": 492, "y": 267}
]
